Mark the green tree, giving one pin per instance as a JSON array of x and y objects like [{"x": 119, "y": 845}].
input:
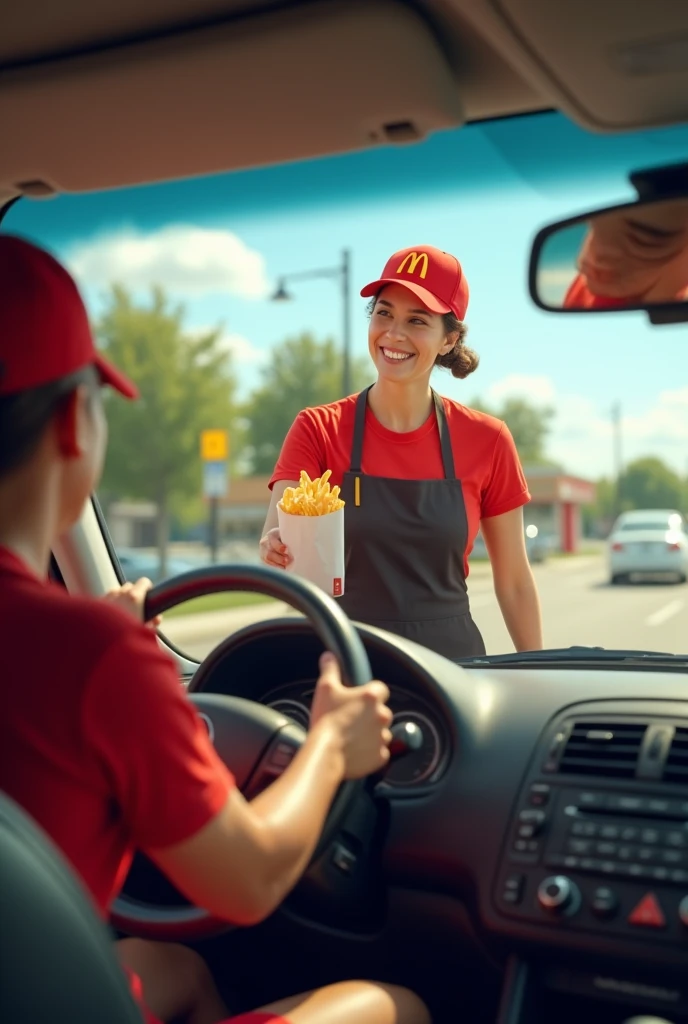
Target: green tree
[
  {"x": 650, "y": 483},
  {"x": 529, "y": 425},
  {"x": 301, "y": 372},
  {"x": 186, "y": 386}
]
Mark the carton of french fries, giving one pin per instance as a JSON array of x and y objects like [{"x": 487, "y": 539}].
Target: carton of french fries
[{"x": 311, "y": 524}]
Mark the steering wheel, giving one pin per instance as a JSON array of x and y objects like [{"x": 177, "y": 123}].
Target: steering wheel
[{"x": 255, "y": 742}]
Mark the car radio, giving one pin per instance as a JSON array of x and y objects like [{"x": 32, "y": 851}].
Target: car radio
[{"x": 601, "y": 854}]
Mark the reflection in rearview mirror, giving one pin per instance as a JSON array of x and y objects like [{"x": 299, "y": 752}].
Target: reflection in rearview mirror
[{"x": 630, "y": 257}]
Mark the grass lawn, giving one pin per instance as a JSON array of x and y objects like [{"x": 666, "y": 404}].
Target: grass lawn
[{"x": 216, "y": 603}]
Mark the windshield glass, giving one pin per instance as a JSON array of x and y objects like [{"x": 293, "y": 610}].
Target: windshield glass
[{"x": 180, "y": 279}]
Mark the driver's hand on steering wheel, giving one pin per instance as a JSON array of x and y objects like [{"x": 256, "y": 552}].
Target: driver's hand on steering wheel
[
  {"x": 358, "y": 717},
  {"x": 131, "y": 598}
]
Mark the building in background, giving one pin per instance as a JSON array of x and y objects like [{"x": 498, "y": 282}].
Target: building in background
[{"x": 555, "y": 509}]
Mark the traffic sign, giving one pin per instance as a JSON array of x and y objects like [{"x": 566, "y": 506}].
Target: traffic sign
[
  {"x": 215, "y": 479},
  {"x": 214, "y": 445}
]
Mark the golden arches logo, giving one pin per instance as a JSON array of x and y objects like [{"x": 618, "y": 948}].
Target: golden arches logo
[{"x": 413, "y": 259}]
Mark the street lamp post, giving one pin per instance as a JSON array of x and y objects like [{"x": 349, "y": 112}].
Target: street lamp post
[{"x": 342, "y": 273}]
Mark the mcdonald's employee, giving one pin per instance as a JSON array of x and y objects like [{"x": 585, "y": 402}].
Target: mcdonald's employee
[{"x": 419, "y": 473}]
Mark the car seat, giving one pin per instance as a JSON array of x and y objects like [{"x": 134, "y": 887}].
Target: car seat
[{"x": 57, "y": 958}]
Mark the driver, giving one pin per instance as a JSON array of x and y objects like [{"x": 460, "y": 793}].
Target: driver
[
  {"x": 98, "y": 740},
  {"x": 633, "y": 256}
]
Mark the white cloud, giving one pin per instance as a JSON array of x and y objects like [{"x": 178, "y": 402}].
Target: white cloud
[
  {"x": 582, "y": 433},
  {"x": 244, "y": 352},
  {"x": 537, "y": 389},
  {"x": 188, "y": 261}
]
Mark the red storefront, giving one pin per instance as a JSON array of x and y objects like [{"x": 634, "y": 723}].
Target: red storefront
[{"x": 557, "y": 501}]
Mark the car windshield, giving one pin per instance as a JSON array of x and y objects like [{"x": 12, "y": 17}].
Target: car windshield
[{"x": 182, "y": 280}]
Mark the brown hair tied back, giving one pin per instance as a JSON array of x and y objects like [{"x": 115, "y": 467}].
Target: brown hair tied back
[{"x": 461, "y": 360}]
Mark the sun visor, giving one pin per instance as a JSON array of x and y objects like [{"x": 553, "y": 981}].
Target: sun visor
[{"x": 284, "y": 86}]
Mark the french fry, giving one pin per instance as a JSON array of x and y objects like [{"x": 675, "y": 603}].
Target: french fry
[{"x": 311, "y": 497}]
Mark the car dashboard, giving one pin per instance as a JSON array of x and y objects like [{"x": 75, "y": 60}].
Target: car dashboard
[{"x": 553, "y": 802}]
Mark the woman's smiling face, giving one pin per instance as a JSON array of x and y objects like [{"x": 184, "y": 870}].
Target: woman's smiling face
[{"x": 404, "y": 338}]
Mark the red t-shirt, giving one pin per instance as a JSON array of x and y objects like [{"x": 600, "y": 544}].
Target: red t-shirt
[
  {"x": 98, "y": 741},
  {"x": 485, "y": 456}
]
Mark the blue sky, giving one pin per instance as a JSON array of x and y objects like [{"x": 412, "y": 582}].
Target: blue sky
[{"x": 219, "y": 244}]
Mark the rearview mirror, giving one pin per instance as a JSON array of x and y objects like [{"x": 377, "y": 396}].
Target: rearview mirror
[{"x": 633, "y": 256}]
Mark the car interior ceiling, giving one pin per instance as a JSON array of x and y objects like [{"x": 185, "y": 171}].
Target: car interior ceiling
[{"x": 90, "y": 80}]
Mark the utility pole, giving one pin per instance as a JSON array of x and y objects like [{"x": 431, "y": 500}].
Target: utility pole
[{"x": 618, "y": 456}]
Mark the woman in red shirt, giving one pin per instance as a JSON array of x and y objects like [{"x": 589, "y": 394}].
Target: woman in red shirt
[
  {"x": 420, "y": 474},
  {"x": 98, "y": 741}
]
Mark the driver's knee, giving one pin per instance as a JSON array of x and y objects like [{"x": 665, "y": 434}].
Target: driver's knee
[
  {"x": 362, "y": 1002},
  {"x": 409, "y": 1007},
  {"x": 176, "y": 981}
]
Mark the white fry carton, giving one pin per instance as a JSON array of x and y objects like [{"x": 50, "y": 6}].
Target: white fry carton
[{"x": 316, "y": 544}]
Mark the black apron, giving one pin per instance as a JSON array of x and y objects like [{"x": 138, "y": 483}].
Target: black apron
[{"x": 405, "y": 542}]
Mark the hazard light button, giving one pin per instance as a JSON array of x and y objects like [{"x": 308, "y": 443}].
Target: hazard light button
[{"x": 648, "y": 913}]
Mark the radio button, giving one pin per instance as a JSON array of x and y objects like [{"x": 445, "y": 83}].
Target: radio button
[
  {"x": 609, "y": 867},
  {"x": 592, "y": 799},
  {"x": 676, "y": 838},
  {"x": 584, "y": 828},
  {"x": 579, "y": 846},
  {"x": 606, "y": 849},
  {"x": 649, "y": 835},
  {"x": 512, "y": 890},
  {"x": 539, "y": 794},
  {"x": 630, "y": 834},
  {"x": 672, "y": 857},
  {"x": 604, "y": 902},
  {"x": 659, "y": 807},
  {"x": 628, "y": 804},
  {"x": 610, "y": 832}
]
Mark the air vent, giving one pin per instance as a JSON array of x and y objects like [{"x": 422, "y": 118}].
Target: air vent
[
  {"x": 676, "y": 765},
  {"x": 608, "y": 749}
]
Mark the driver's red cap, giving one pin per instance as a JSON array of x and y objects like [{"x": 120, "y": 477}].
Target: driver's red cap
[
  {"x": 44, "y": 330},
  {"x": 434, "y": 276}
]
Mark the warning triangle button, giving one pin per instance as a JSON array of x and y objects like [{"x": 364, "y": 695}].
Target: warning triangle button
[{"x": 648, "y": 913}]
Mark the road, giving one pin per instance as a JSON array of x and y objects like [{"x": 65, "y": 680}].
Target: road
[{"x": 578, "y": 606}]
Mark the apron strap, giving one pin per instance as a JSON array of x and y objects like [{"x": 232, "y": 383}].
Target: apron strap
[
  {"x": 359, "y": 430},
  {"x": 445, "y": 439},
  {"x": 442, "y": 426}
]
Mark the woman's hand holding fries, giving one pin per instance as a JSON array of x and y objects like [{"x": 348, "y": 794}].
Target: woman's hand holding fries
[{"x": 273, "y": 552}]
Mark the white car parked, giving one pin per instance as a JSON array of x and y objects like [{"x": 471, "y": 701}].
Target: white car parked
[{"x": 648, "y": 542}]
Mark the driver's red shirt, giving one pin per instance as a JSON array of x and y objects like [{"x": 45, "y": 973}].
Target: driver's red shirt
[
  {"x": 98, "y": 741},
  {"x": 579, "y": 296}
]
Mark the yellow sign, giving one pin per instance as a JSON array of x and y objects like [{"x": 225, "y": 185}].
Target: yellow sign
[
  {"x": 214, "y": 445},
  {"x": 413, "y": 259}
]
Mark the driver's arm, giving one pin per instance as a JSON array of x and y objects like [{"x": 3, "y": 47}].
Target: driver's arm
[{"x": 152, "y": 757}]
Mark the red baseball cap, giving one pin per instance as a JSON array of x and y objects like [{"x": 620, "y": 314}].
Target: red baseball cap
[
  {"x": 44, "y": 330},
  {"x": 434, "y": 276}
]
